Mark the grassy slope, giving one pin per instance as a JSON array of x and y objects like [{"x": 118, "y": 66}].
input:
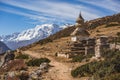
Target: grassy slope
[
  {"x": 93, "y": 26},
  {"x": 48, "y": 45}
]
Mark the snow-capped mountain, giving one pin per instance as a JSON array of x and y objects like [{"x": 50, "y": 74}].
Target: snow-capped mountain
[
  {"x": 29, "y": 36},
  {"x": 9, "y": 37},
  {"x": 40, "y": 31}
]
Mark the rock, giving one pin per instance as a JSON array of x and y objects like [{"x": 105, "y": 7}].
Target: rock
[
  {"x": 84, "y": 60},
  {"x": 11, "y": 74},
  {"x": 39, "y": 72},
  {"x": 9, "y": 56},
  {"x": 24, "y": 75},
  {"x": 23, "y": 71},
  {"x": 1, "y": 77},
  {"x": 34, "y": 76},
  {"x": 44, "y": 66}
]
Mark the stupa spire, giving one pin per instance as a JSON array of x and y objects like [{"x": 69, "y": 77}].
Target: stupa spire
[
  {"x": 80, "y": 19},
  {"x": 80, "y": 16}
]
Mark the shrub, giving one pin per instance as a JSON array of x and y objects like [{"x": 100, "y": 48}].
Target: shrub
[
  {"x": 81, "y": 71},
  {"x": 24, "y": 76},
  {"x": 112, "y": 77},
  {"x": 108, "y": 54},
  {"x": 118, "y": 39},
  {"x": 81, "y": 57},
  {"x": 37, "y": 62},
  {"x": 89, "y": 55},
  {"x": 97, "y": 31},
  {"x": 22, "y": 56},
  {"x": 100, "y": 69},
  {"x": 44, "y": 41},
  {"x": 78, "y": 58},
  {"x": 13, "y": 65},
  {"x": 118, "y": 34}
]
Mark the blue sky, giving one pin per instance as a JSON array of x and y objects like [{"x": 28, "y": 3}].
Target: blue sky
[{"x": 19, "y": 15}]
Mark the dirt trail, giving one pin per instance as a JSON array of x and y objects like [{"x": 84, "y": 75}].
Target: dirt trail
[{"x": 59, "y": 71}]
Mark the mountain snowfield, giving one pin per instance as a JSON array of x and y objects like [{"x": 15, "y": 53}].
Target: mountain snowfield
[{"x": 29, "y": 36}]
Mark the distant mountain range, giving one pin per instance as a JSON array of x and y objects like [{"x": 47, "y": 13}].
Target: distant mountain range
[
  {"x": 29, "y": 36},
  {"x": 3, "y": 47}
]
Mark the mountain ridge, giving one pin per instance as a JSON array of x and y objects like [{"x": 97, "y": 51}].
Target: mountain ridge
[
  {"x": 30, "y": 36},
  {"x": 103, "y": 20}
]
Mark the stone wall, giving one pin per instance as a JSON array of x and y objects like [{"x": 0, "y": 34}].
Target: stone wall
[
  {"x": 115, "y": 46},
  {"x": 89, "y": 46},
  {"x": 63, "y": 55}
]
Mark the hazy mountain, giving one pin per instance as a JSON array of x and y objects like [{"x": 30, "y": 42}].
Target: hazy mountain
[{"x": 3, "y": 47}]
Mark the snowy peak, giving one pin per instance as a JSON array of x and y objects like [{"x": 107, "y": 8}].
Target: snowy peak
[
  {"x": 39, "y": 31},
  {"x": 29, "y": 36},
  {"x": 9, "y": 37}
]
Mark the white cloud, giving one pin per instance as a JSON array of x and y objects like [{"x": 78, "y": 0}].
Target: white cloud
[
  {"x": 53, "y": 11},
  {"x": 112, "y": 5},
  {"x": 23, "y": 14}
]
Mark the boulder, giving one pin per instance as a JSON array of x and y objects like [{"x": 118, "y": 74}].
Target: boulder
[
  {"x": 33, "y": 76},
  {"x": 44, "y": 66},
  {"x": 9, "y": 57}
]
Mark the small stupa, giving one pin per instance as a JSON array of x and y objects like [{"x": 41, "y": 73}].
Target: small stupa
[{"x": 80, "y": 33}]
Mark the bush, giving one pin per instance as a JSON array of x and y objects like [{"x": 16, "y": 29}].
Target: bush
[
  {"x": 93, "y": 68},
  {"x": 23, "y": 76},
  {"x": 81, "y": 71},
  {"x": 44, "y": 41},
  {"x": 37, "y": 62},
  {"x": 22, "y": 56},
  {"x": 97, "y": 31},
  {"x": 78, "y": 58},
  {"x": 118, "y": 34},
  {"x": 81, "y": 57},
  {"x": 63, "y": 33},
  {"x": 102, "y": 69},
  {"x": 108, "y": 54},
  {"x": 112, "y": 77},
  {"x": 89, "y": 55}
]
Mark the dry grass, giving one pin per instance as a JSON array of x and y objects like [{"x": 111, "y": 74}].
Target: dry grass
[{"x": 102, "y": 30}]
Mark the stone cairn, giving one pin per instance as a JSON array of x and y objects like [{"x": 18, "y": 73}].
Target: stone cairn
[{"x": 101, "y": 45}]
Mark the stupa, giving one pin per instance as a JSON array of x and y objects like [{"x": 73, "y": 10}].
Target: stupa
[{"x": 80, "y": 33}]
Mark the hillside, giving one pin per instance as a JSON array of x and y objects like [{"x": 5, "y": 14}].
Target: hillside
[
  {"x": 63, "y": 33},
  {"x": 61, "y": 66},
  {"x": 110, "y": 29},
  {"x": 104, "y": 20},
  {"x": 108, "y": 25},
  {"x": 55, "y": 43},
  {"x": 76, "y": 68}
]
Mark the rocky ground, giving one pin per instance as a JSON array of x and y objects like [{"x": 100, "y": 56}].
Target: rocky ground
[
  {"x": 18, "y": 73},
  {"x": 59, "y": 70}
]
